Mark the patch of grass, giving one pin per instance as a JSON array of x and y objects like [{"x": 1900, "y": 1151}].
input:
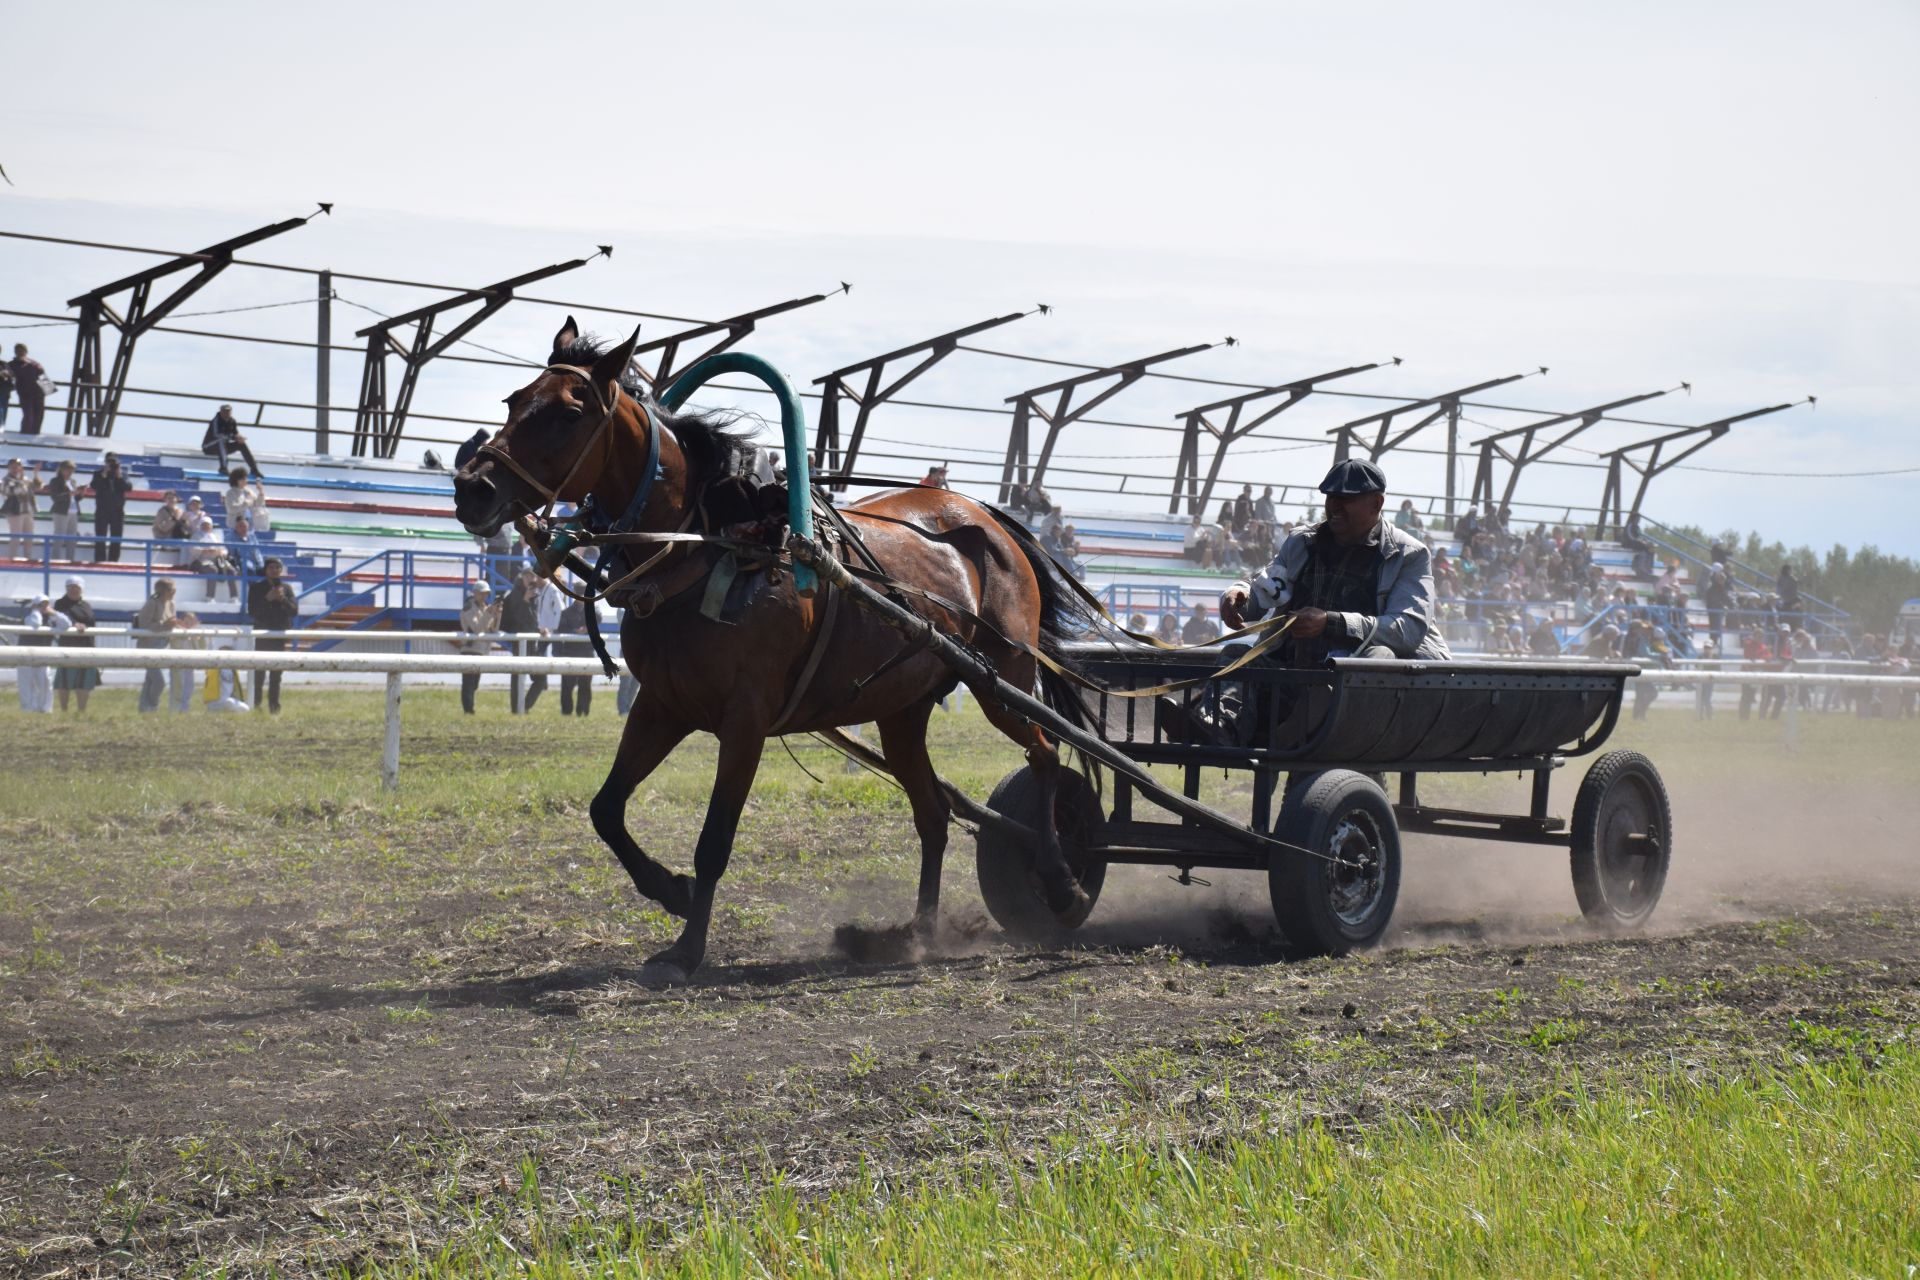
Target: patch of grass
[
  {"x": 1595, "y": 1177},
  {"x": 1553, "y": 1033},
  {"x": 410, "y": 1013},
  {"x": 1818, "y": 1036}
]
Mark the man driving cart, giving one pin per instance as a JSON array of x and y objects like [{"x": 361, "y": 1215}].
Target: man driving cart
[{"x": 1356, "y": 585}]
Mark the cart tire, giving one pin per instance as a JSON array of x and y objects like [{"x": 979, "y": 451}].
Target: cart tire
[
  {"x": 1622, "y": 840},
  {"x": 1005, "y": 867},
  {"x": 1340, "y": 897}
]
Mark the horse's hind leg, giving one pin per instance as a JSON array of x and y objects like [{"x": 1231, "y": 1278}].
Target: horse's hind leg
[
  {"x": 644, "y": 743},
  {"x": 740, "y": 749},
  {"x": 903, "y": 737},
  {"x": 1063, "y": 891}
]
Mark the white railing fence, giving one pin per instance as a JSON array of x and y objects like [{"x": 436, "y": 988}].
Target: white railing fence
[{"x": 396, "y": 666}]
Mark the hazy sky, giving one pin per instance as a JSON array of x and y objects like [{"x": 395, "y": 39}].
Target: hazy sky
[{"x": 1631, "y": 194}]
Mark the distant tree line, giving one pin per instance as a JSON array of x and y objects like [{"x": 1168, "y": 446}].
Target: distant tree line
[{"x": 1868, "y": 583}]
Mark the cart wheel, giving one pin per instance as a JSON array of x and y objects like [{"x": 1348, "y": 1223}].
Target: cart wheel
[
  {"x": 1341, "y": 895},
  {"x": 1005, "y": 866},
  {"x": 1622, "y": 840}
]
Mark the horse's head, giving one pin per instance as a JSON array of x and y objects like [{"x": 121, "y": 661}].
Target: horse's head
[{"x": 559, "y": 437}]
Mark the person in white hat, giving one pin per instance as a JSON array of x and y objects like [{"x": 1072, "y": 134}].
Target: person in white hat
[{"x": 36, "y": 683}]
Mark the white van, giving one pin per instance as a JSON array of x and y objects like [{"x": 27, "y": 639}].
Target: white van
[{"x": 1906, "y": 624}]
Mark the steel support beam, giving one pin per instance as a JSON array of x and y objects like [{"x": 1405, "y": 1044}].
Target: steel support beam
[
  {"x": 1235, "y": 426},
  {"x": 1431, "y": 410},
  {"x": 376, "y": 427},
  {"x": 725, "y": 333},
  {"x": 1062, "y": 412},
  {"x": 94, "y": 401},
  {"x": 866, "y": 387},
  {"x": 1496, "y": 447},
  {"x": 1615, "y": 511}
]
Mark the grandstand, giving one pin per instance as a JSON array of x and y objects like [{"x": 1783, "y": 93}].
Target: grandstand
[
  {"x": 370, "y": 544},
  {"x": 374, "y": 545}
]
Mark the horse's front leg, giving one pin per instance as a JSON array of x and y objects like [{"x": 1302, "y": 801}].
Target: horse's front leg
[
  {"x": 740, "y": 749},
  {"x": 649, "y": 736}
]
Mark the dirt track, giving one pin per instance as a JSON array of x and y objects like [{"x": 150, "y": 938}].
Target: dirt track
[
  {"x": 319, "y": 1035},
  {"x": 251, "y": 1109}
]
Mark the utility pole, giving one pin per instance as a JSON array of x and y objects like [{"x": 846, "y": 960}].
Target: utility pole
[{"x": 323, "y": 365}]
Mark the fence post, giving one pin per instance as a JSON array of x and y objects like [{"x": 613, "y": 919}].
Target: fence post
[{"x": 390, "y": 755}]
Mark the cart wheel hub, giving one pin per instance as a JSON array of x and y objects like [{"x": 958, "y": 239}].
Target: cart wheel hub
[{"x": 1354, "y": 883}]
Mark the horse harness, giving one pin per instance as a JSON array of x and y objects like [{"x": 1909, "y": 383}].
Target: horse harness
[{"x": 645, "y": 598}]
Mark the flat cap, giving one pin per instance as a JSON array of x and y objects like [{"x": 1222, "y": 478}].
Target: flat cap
[{"x": 1354, "y": 475}]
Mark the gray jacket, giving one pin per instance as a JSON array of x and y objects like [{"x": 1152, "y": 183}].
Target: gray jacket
[{"x": 1405, "y": 619}]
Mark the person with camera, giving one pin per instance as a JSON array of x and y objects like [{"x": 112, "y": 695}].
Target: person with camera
[
  {"x": 271, "y": 606},
  {"x": 109, "y": 488},
  {"x": 17, "y": 490},
  {"x": 63, "y": 504},
  {"x": 246, "y": 499}
]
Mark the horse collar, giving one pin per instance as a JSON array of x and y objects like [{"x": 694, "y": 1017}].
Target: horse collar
[{"x": 649, "y": 475}]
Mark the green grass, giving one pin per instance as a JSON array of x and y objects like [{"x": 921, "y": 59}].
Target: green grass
[
  {"x": 325, "y": 752},
  {"x": 1811, "y": 1171}
]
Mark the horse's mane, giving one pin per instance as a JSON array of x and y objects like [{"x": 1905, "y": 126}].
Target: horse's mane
[{"x": 715, "y": 441}]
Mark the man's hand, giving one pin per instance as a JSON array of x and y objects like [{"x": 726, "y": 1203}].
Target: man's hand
[
  {"x": 1308, "y": 623},
  {"x": 1233, "y": 608}
]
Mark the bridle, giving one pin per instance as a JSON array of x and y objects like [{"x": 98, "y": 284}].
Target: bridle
[
  {"x": 491, "y": 449},
  {"x": 620, "y": 530}
]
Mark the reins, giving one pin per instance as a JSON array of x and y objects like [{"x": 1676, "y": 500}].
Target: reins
[{"x": 541, "y": 531}]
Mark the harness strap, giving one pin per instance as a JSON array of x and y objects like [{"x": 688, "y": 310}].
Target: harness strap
[
  {"x": 830, "y": 611},
  {"x": 1276, "y": 629}
]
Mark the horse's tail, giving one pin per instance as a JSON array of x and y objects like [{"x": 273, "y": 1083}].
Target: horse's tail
[{"x": 1063, "y": 615}]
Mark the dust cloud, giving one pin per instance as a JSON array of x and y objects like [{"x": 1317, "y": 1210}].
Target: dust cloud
[{"x": 1741, "y": 852}]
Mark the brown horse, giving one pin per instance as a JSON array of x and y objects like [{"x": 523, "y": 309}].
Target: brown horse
[{"x": 581, "y": 427}]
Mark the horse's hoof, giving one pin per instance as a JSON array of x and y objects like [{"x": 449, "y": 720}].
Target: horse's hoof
[{"x": 661, "y": 973}]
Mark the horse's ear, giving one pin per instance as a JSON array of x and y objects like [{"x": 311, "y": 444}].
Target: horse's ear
[
  {"x": 569, "y": 333},
  {"x": 612, "y": 366}
]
